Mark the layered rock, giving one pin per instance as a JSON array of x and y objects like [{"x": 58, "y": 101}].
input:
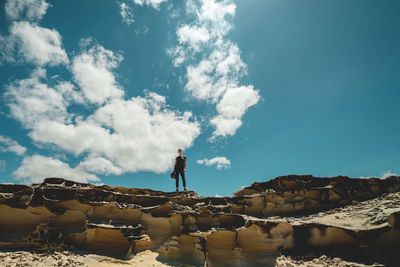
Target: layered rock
[
  {"x": 343, "y": 214},
  {"x": 301, "y": 194}
]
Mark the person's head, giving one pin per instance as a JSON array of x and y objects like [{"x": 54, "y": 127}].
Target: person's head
[{"x": 180, "y": 152}]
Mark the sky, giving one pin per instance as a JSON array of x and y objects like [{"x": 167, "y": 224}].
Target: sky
[{"x": 105, "y": 92}]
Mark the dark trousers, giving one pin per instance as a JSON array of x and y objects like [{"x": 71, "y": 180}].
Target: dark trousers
[{"x": 182, "y": 173}]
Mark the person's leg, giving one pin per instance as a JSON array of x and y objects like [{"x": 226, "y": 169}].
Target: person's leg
[
  {"x": 183, "y": 179},
  {"x": 177, "y": 180}
]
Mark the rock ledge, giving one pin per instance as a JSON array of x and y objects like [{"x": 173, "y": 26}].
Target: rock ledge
[{"x": 288, "y": 215}]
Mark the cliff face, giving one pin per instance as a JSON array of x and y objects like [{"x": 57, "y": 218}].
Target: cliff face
[{"x": 357, "y": 218}]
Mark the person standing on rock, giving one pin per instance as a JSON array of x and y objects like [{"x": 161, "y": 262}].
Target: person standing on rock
[{"x": 180, "y": 168}]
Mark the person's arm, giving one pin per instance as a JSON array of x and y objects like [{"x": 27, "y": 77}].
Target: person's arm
[
  {"x": 176, "y": 161},
  {"x": 184, "y": 169}
]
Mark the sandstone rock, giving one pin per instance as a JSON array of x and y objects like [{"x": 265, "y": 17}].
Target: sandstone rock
[
  {"x": 337, "y": 214},
  {"x": 299, "y": 194}
]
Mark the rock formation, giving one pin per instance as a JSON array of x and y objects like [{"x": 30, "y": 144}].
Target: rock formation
[{"x": 358, "y": 219}]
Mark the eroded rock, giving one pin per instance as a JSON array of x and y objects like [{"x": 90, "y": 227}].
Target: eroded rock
[{"x": 332, "y": 214}]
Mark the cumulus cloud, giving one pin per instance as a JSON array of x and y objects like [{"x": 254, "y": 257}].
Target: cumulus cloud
[
  {"x": 9, "y": 145},
  {"x": 231, "y": 108},
  {"x": 29, "y": 9},
  {"x": 31, "y": 100},
  {"x": 34, "y": 44},
  {"x": 85, "y": 42},
  {"x": 35, "y": 168},
  {"x": 115, "y": 135},
  {"x": 193, "y": 35},
  {"x": 121, "y": 135},
  {"x": 153, "y": 3},
  {"x": 139, "y": 134},
  {"x": 221, "y": 162},
  {"x": 92, "y": 71},
  {"x": 100, "y": 165},
  {"x": 211, "y": 22},
  {"x": 27, "y": 41},
  {"x": 216, "y": 77},
  {"x": 126, "y": 13}
]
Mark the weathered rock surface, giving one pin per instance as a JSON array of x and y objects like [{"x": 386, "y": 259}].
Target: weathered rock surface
[
  {"x": 67, "y": 258},
  {"x": 321, "y": 261},
  {"x": 24, "y": 259},
  {"x": 293, "y": 193},
  {"x": 343, "y": 215}
]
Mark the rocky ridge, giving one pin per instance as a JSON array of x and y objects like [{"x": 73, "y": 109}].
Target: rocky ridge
[{"x": 290, "y": 215}]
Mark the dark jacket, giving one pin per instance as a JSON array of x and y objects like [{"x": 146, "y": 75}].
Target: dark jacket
[{"x": 180, "y": 162}]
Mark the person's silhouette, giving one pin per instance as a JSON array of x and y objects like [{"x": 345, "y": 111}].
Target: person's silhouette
[{"x": 180, "y": 168}]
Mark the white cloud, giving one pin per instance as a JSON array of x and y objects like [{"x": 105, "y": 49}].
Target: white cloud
[
  {"x": 35, "y": 168},
  {"x": 231, "y": 108},
  {"x": 30, "y": 9},
  {"x": 215, "y": 75},
  {"x": 215, "y": 12},
  {"x": 27, "y": 41},
  {"x": 69, "y": 93},
  {"x": 31, "y": 101},
  {"x": 6, "y": 50},
  {"x": 193, "y": 35},
  {"x": 9, "y": 145},
  {"x": 387, "y": 174},
  {"x": 92, "y": 71},
  {"x": 221, "y": 162},
  {"x": 100, "y": 165},
  {"x": 85, "y": 42},
  {"x": 382, "y": 175},
  {"x": 153, "y": 3},
  {"x": 121, "y": 135},
  {"x": 37, "y": 45},
  {"x": 211, "y": 22},
  {"x": 215, "y": 78},
  {"x": 126, "y": 13},
  {"x": 140, "y": 134}
]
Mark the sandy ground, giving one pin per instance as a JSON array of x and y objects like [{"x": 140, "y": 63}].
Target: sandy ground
[
  {"x": 146, "y": 259},
  {"x": 322, "y": 261},
  {"x": 66, "y": 258},
  {"x": 143, "y": 259}
]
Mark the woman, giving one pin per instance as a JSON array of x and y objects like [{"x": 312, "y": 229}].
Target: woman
[{"x": 180, "y": 168}]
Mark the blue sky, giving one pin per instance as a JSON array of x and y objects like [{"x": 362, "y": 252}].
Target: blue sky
[{"x": 106, "y": 91}]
